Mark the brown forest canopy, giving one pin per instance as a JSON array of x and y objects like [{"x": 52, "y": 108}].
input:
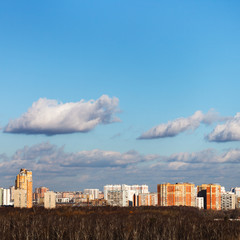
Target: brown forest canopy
[{"x": 115, "y": 223}]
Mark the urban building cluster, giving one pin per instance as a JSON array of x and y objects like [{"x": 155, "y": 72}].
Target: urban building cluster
[{"x": 205, "y": 196}]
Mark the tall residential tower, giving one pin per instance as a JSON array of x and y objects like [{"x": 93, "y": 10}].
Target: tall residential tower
[{"x": 24, "y": 182}]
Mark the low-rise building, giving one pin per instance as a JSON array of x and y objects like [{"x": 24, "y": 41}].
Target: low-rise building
[{"x": 62, "y": 200}]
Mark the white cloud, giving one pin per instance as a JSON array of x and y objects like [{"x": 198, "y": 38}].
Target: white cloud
[
  {"x": 173, "y": 128},
  {"x": 229, "y": 131},
  {"x": 177, "y": 165},
  {"x": 50, "y": 117}
]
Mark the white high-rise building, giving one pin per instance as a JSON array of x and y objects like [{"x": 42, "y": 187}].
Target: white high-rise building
[
  {"x": 94, "y": 192},
  {"x": 108, "y": 188},
  {"x": 6, "y": 197},
  {"x": 122, "y": 195},
  {"x": 228, "y": 200}
]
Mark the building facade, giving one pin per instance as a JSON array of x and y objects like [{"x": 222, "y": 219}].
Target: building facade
[
  {"x": 20, "y": 198},
  {"x": 94, "y": 192},
  {"x": 145, "y": 199},
  {"x": 12, "y": 189},
  {"x": 123, "y": 195},
  {"x": 211, "y": 194},
  {"x": 24, "y": 182},
  {"x": 199, "y": 202},
  {"x": 228, "y": 201},
  {"x": 236, "y": 190},
  {"x": 6, "y": 197},
  {"x": 49, "y": 199},
  {"x": 179, "y": 194},
  {"x": 38, "y": 196},
  {"x": 117, "y": 198}
]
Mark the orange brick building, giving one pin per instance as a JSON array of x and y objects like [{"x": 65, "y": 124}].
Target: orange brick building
[
  {"x": 179, "y": 194},
  {"x": 211, "y": 194},
  {"x": 24, "y": 181}
]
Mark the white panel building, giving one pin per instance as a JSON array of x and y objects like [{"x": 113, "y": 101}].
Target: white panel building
[
  {"x": 6, "y": 198},
  {"x": 94, "y": 192},
  {"x": 199, "y": 202},
  {"x": 228, "y": 200},
  {"x": 20, "y": 198},
  {"x": 108, "y": 188},
  {"x": 122, "y": 195},
  {"x": 49, "y": 199}
]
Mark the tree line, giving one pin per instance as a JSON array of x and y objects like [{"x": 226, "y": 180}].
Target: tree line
[{"x": 117, "y": 223}]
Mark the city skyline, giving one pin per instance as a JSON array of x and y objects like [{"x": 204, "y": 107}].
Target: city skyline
[{"x": 141, "y": 92}]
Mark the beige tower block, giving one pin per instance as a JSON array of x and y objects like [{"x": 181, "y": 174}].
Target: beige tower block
[
  {"x": 49, "y": 199},
  {"x": 20, "y": 198}
]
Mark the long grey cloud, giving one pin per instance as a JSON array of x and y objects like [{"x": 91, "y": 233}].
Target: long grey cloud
[
  {"x": 173, "y": 128},
  {"x": 52, "y": 158},
  {"x": 208, "y": 156},
  {"x": 229, "y": 131},
  {"x": 53, "y": 167},
  {"x": 50, "y": 117}
]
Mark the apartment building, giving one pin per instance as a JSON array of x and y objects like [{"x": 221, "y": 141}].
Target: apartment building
[
  {"x": 211, "y": 194},
  {"x": 20, "y": 198},
  {"x": 94, "y": 192},
  {"x": 199, "y": 202},
  {"x": 38, "y": 196},
  {"x": 49, "y": 199},
  {"x": 5, "y": 197},
  {"x": 145, "y": 199},
  {"x": 228, "y": 201},
  {"x": 24, "y": 181},
  {"x": 179, "y": 194},
  {"x": 123, "y": 195}
]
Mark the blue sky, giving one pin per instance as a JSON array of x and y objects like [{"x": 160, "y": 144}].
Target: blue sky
[{"x": 161, "y": 60}]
